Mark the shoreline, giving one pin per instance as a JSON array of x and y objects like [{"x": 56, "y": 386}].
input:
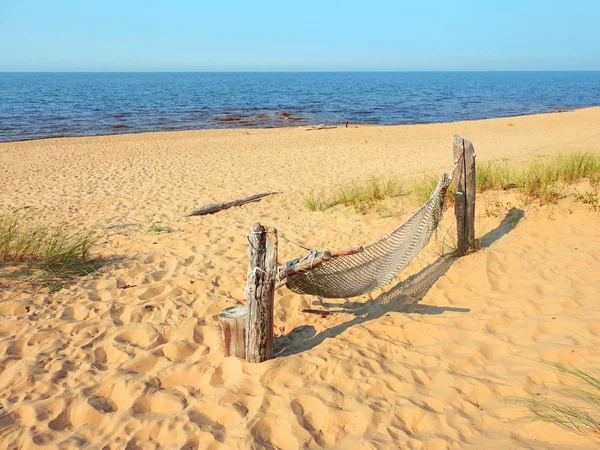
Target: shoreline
[
  {"x": 307, "y": 126},
  {"x": 223, "y": 164}
]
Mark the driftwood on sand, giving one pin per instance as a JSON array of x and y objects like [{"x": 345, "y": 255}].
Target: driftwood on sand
[
  {"x": 216, "y": 207},
  {"x": 319, "y": 127}
]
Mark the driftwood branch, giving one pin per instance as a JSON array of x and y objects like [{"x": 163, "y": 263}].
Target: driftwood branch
[
  {"x": 312, "y": 261},
  {"x": 216, "y": 207},
  {"x": 320, "y": 127}
]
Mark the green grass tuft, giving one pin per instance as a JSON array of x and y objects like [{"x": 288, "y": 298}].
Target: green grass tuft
[
  {"x": 576, "y": 408},
  {"x": 424, "y": 186},
  {"x": 360, "y": 196},
  {"x": 51, "y": 254},
  {"x": 157, "y": 228},
  {"x": 538, "y": 179}
]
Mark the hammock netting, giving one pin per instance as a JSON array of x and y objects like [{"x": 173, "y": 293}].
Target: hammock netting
[{"x": 379, "y": 263}]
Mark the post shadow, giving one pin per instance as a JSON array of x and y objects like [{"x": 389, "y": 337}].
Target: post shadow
[
  {"x": 508, "y": 223},
  {"x": 403, "y": 297}
]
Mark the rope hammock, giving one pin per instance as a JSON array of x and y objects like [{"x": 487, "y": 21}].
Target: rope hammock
[{"x": 355, "y": 272}]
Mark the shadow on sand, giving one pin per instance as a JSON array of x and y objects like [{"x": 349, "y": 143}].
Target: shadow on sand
[{"x": 404, "y": 297}]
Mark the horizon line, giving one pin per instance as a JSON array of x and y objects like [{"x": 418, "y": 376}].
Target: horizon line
[{"x": 305, "y": 71}]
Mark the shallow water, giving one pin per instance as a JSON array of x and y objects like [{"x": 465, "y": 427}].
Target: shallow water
[{"x": 38, "y": 105}]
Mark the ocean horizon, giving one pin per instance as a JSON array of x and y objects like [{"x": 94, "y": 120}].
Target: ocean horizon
[{"x": 36, "y": 105}]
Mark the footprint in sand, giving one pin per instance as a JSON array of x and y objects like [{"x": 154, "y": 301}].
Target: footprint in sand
[
  {"x": 139, "y": 335},
  {"x": 117, "y": 393},
  {"x": 60, "y": 422},
  {"x": 159, "y": 402},
  {"x": 152, "y": 292},
  {"x": 43, "y": 336},
  {"x": 142, "y": 363},
  {"x": 206, "y": 424},
  {"x": 110, "y": 354},
  {"x": 179, "y": 350},
  {"x": 51, "y": 408},
  {"x": 83, "y": 413},
  {"x": 14, "y": 308},
  {"x": 312, "y": 414},
  {"x": 228, "y": 373},
  {"x": 104, "y": 405},
  {"x": 157, "y": 276},
  {"x": 186, "y": 375},
  {"x": 272, "y": 433},
  {"x": 76, "y": 312}
]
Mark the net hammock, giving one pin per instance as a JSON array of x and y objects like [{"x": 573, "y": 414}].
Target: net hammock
[{"x": 376, "y": 265}]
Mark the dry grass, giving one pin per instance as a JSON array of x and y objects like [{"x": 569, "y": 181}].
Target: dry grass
[{"x": 44, "y": 255}]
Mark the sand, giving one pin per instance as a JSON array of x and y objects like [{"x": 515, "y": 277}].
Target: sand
[{"x": 132, "y": 357}]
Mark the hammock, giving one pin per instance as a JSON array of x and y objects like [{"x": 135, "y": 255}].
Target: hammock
[{"x": 356, "y": 272}]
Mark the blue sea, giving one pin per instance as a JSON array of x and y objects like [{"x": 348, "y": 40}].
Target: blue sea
[{"x": 40, "y": 105}]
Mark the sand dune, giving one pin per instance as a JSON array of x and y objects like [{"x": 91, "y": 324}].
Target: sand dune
[{"x": 131, "y": 357}]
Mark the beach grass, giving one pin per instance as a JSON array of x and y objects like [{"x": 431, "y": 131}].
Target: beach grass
[
  {"x": 158, "y": 228},
  {"x": 48, "y": 255},
  {"x": 359, "y": 195},
  {"x": 575, "y": 407},
  {"x": 538, "y": 179},
  {"x": 422, "y": 188}
]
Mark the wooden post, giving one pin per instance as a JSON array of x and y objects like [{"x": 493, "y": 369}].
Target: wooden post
[
  {"x": 464, "y": 200},
  {"x": 233, "y": 323},
  {"x": 260, "y": 291}
]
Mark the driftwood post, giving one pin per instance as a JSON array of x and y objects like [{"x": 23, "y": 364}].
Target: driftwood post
[
  {"x": 260, "y": 291},
  {"x": 464, "y": 200},
  {"x": 233, "y": 323}
]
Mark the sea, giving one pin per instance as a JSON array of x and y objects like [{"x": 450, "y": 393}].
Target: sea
[{"x": 43, "y": 105}]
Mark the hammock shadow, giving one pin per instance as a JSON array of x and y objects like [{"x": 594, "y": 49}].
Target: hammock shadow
[{"x": 403, "y": 297}]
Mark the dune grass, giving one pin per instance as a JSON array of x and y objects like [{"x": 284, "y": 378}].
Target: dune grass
[
  {"x": 158, "y": 228},
  {"x": 576, "y": 408},
  {"x": 47, "y": 255},
  {"x": 424, "y": 186},
  {"x": 360, "y": 196},
  {"x": 538, "y": 179}
]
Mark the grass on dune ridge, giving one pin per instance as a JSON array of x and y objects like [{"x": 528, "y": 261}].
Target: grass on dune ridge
[
  {"x": 536, "y": 179},
  {"x": 51, "y": 253},
  {"x": 359, "y": 195}
]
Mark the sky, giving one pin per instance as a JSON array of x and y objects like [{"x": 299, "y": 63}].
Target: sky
[{"x": 312, "y": 35}]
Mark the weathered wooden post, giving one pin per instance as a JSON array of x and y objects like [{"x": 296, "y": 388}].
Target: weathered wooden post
[
  {"x": 464, "y": 200},
  {"x": 260, "y": 292},
  {"x": 233, "y": 323}
]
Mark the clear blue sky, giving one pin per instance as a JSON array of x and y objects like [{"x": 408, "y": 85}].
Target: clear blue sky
[{"x": 190, "y": 35}]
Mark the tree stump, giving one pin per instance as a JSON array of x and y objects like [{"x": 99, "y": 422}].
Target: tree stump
[
  {"x": 260, "y": 292},
  {"x": 233, "y": 323}
]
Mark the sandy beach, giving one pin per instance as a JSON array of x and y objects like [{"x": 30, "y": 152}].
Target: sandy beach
[{"x": 132, "y": 356}]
